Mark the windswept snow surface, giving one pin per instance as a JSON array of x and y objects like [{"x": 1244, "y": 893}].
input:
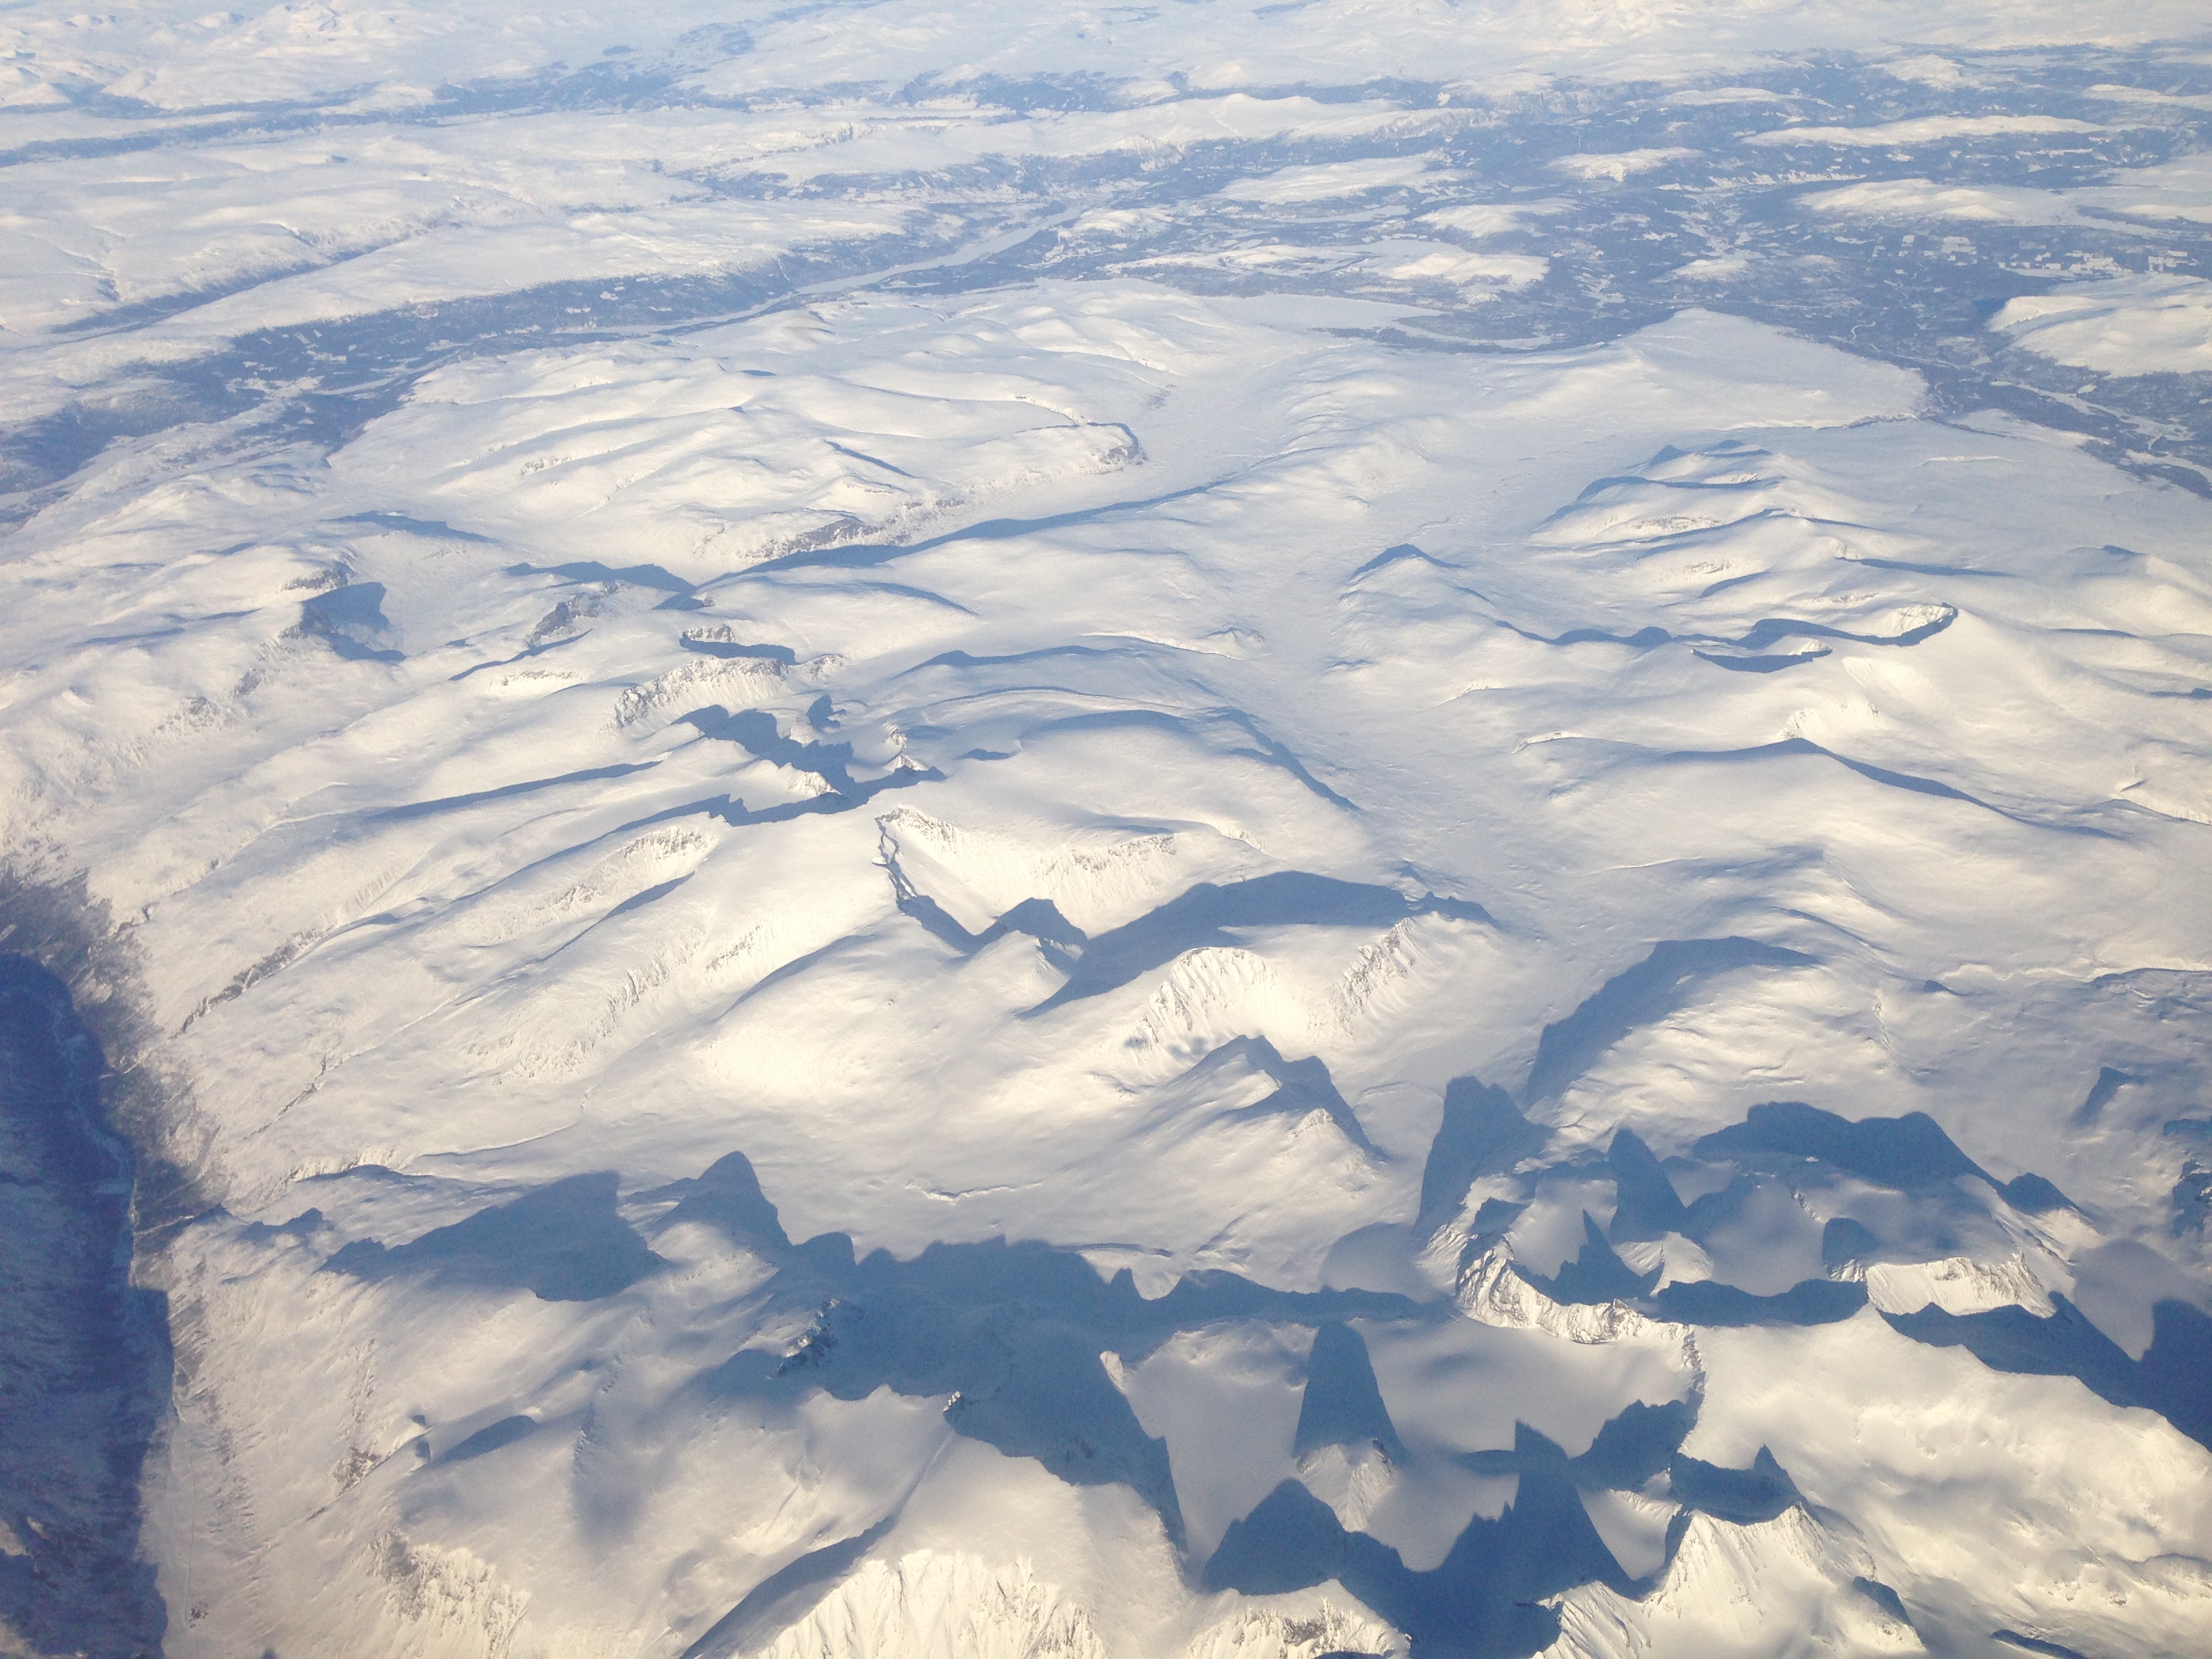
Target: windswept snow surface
[{"x": 1215, "y": 831}]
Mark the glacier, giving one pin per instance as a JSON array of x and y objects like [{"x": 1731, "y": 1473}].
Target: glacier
[{"x": 882, "y": 830}]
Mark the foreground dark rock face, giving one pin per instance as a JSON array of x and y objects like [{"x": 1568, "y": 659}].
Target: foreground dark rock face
[{"x": 84, "y": 1359}]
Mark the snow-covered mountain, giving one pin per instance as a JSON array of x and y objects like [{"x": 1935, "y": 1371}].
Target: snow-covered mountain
[{"x": 1202, "y": 831}]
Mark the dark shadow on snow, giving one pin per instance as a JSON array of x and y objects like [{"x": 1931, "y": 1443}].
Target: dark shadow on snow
[
  {"x": 1343, "y": 1404},
  {"x": 1646, "y": 1205},
  {"x": 1654, "y": 989},
  {"x": 564, "y": 1242},
  {"x": 1745, "y": 1497},
  {"x": 755, "y": 731},
  {"x": 1759, "y": 664},
  {"x": 492, "y": 1437},
  {"x": 349, "y": 620},
  {"x": 2173, "y": 1378},
  {"x": 84, "y": 1355},
  {"x": 1597, "y": 1275},
  {"x": 457, "y": 803},
  {"x": 1481, "y": 1133},
  {"x": 2110, "y": 1081},
  {"x": 1478, "y": 1602},
  {"x": 1809, "y": 1302},
  {"x": 1201, "y": 916},
  {"x": 1904, "y": 1152},
  {"x": 2013, "y": 1639},
  {"x": 1302, "y": 1086},
  {"x": 590, "y": 570},
  {"x": 784, "y": 1596},
  {"x": 730, "y": 648},
  {"x": 1012, "y": 1333}
]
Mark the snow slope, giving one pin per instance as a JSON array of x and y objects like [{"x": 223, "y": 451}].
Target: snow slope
[{"x": 1225, "y": 831}]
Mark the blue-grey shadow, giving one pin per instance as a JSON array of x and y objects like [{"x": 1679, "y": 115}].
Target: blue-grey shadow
[{"x": 85, "y": 1365}]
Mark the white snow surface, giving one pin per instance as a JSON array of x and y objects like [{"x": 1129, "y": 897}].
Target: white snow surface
[
  {"x": 1039, "y": 708},
  {"x": 2123, "y": 325}
]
